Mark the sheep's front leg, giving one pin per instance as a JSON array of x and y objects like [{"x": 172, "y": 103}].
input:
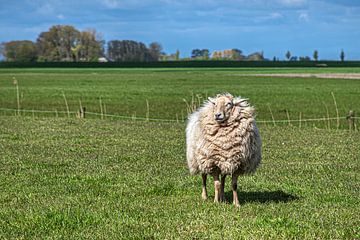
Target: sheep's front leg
[
  {"x": 217, "y": 187},
  {"x": 222, "y": 188},
  {"x": 204, "y": 192},
  {"x": 234, "y": 189}
]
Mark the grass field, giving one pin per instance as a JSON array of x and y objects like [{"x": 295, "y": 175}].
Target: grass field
[
  {"x": 119, "y": 179},
  {"x": 127, "y": 91},
  {"x": 107, "y": 178}
]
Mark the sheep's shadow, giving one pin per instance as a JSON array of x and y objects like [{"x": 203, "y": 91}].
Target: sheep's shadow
[{"x": 261, "y": 197}]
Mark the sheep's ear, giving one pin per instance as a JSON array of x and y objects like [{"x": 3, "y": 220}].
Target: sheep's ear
[
  {"x": 212, "y": 100},
  {"x": 240, "y": 102}
]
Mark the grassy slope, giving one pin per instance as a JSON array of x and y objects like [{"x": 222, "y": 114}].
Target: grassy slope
[
  {"x": 125, "y": 91},
  {"x": 103, "y": 179}
]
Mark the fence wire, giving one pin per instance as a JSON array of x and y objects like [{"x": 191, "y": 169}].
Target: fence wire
[{"x": 166, "y": 120}]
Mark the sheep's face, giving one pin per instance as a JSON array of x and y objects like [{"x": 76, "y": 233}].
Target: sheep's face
[{"x": 223, "y": 106}]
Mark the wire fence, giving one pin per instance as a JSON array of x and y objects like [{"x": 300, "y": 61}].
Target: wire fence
[
  {"x": 74, "y": 113},
  {"x": 92, "y": 113}
]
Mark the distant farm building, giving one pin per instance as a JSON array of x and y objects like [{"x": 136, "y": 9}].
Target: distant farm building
[{"x": 102, "y": 59}]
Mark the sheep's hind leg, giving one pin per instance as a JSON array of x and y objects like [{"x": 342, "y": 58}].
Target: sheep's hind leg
[
  {"x": 204, "y": 192},
  {"x": 217, "y": 187},
  {"x": 222, "y": 188},
  {"x": 234, "y": 189}
]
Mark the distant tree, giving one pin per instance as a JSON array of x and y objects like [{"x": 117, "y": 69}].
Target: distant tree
[
  {"x": 90, "y": 46},
  {"x": 2, "y": 47},
  {"x": 216, "y": 55},
  {"x": 155, "y": 49},
  {"x": 237, "y": 54},
  {"x": 304, "y": 59},
  {"x": 342, "y": 55},
  {"x": 256, "y": 56},
  {"x": 274, "y": 59},
  {"x": 288, "y": 55},
  {"x": 168, "y": 57},
  {"x": 58, "y": 43},
  {"x": 66, "y": 43},
  {"x": 19, "y": 51},
  {"x": 177, "y": 55},
  {"x": 316, "y": 55},
  {"x": 196, "y": 53},
  {"x": 200, "y": 54},
  {"x": 205, "y": 54},
  {"x": 128, "y": 51}
]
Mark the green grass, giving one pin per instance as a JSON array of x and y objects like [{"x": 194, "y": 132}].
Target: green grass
[
  {"x": 146, "y": 70},
  {"x": 114, "y": 179},
  {"x": 125, "y": 91},
  {"x": 96, "y": 179}
]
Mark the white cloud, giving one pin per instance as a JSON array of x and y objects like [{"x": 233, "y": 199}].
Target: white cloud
[
  {"x": 292, "y": 2},
  {"x": 303, "y": 16},
  {"x": 111, "y": 3},
  {"x": 275, "y": 15},
  {"x": 267, "y": 17},
  {"x": 125, "y": 4},
  {"x": 60, "y": 16}
]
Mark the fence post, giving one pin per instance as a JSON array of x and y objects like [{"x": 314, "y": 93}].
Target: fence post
[
  {"x": 81, "y": 112},
  {"x": 351, "y": 120}
]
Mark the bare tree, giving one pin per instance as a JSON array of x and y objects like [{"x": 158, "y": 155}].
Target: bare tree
[{"x": 155, "y": 49}]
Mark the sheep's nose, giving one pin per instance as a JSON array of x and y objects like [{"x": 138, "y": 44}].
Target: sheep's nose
[{"x": 218, "y": 115}]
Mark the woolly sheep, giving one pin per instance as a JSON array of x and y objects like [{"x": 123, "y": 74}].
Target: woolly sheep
[{"x": 222, "y": 139}]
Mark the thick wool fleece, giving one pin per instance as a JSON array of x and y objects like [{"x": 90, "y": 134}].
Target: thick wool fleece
[{"x": 230, "y": 148}]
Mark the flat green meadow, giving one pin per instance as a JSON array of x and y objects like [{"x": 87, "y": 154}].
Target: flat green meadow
[
  {"x": 114, "y": 178},
  {"x": 165, "y": 93}
]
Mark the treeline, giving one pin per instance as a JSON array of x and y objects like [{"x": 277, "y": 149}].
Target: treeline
[
  {"x": 227, "y": 54},
  {"x": 64, "y": 43},
  {"x": 182, "y": 64}
]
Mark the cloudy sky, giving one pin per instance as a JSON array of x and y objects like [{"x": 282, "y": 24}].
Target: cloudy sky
[{"x": 272, "y": 26}]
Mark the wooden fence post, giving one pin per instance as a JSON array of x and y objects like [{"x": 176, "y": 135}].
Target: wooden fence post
[
  {"x": 81, "y": 112},
  {"x": 351, "y": 120}
]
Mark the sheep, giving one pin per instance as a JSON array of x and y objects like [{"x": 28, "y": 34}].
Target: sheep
[{"x": 222, "y": 139}]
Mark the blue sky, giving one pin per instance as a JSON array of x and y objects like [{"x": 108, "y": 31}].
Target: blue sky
[{"x": 272, "y": 26}]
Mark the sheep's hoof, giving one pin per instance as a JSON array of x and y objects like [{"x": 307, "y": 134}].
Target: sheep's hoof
[
  {"x": 204, "y": 196},
  {"x": 236, "y": 204}
]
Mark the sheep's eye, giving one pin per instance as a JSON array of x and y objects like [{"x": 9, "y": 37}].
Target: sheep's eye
[{"x": 229, "y": 104}]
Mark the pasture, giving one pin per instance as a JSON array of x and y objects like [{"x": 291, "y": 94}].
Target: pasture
[
  {"x": 165, "y": 93},
  {"x": 127, "y": 178}
]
